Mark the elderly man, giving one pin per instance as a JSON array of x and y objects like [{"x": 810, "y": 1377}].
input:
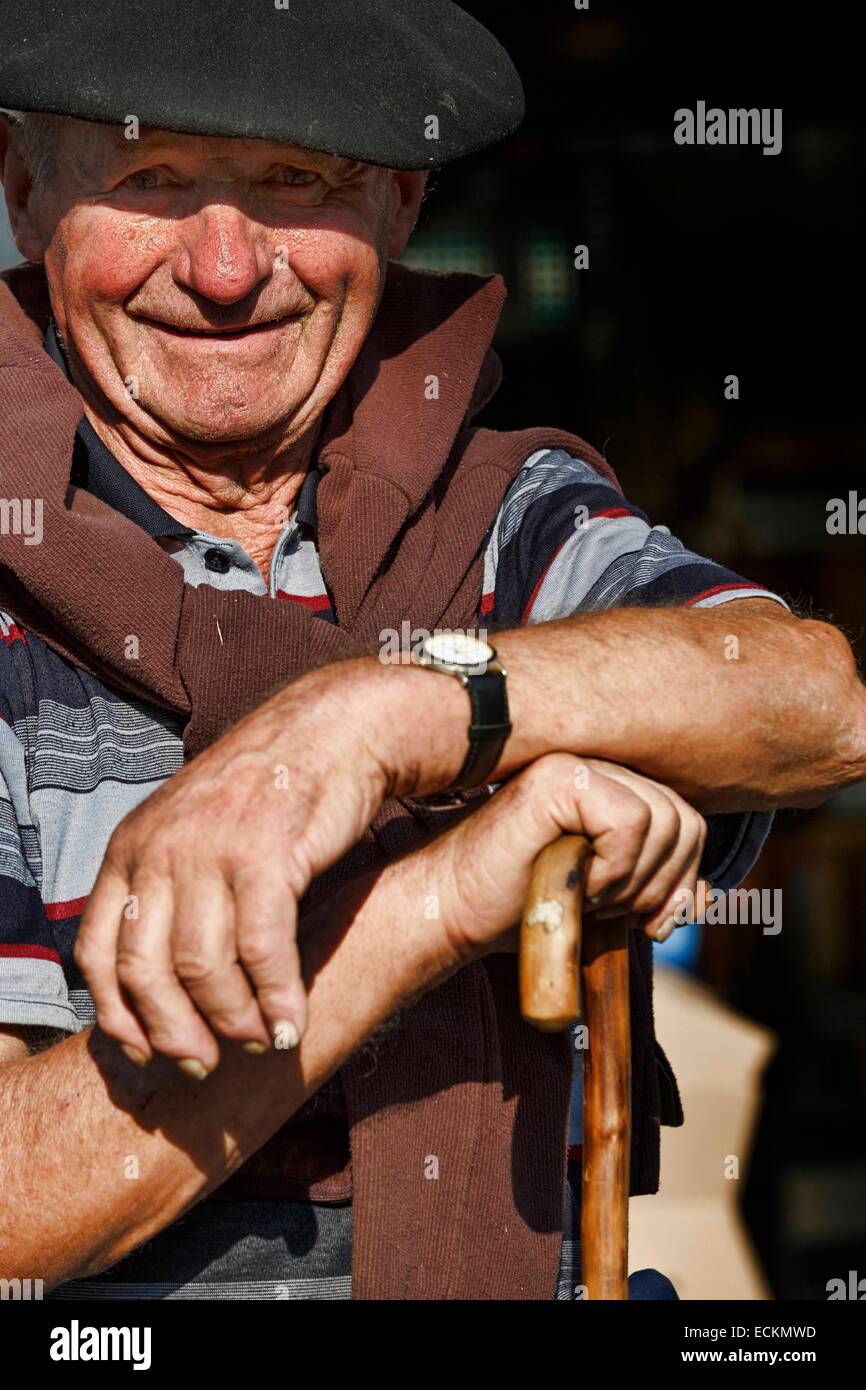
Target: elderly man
[{"x": 246, "y": 432}]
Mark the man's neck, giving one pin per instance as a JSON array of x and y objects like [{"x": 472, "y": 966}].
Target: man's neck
[
  {"x": 247, "y": 498},
  {"x": 243, "y": 494}
]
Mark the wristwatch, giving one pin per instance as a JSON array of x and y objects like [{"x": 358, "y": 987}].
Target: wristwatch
[{"x": 475, "y": 664}]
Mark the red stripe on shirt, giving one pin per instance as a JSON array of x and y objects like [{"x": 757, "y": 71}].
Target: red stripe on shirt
[
  {"x": 315, "y": 602},
  {"x": 57, "y": 912},
  {"x": 31, "y": 952},
  {"x": 605, "y": 512},
  {"x": 610, "y": 511},
  {"x": 721, "y": 589},
  {"x": 541, "y": 578}
]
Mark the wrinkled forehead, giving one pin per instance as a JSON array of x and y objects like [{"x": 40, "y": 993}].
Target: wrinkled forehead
[{"x": 95, "y": 149}]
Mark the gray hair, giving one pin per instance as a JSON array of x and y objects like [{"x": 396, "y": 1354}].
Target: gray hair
[{"x": 38, "y": 133}]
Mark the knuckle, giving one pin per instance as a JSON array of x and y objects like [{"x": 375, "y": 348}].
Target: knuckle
[
  {"x": 668, "y": 825},
  {"x": 117, "y": 851},
  {"x": 134, "y": 971},
  {"x": 636, "y": 820},
  {"x": 231, "y": 1021},
  {"x": 695, "y": 829},
  {"x": 196, "y": 969},
  {"x": 259, "y": 946},
  {"x": 617, "y": 872},
  {"x": 647, "y": 901}
]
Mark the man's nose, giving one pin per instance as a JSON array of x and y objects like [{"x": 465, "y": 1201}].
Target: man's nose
[{"x": 224, "y": 255}]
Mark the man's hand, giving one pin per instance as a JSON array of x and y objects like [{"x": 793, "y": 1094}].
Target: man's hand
[
  {"x": 647, "y": 846},
  {"x": 192, "y": 918}
]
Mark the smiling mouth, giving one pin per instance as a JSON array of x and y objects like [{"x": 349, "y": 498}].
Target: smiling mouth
[{"x": 224, "y": 334}]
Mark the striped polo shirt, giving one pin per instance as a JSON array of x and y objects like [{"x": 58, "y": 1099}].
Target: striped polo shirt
[{"x": 76, "y": 756}]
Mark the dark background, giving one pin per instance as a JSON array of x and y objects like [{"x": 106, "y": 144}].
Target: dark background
[{"x": 704, "y": 262}]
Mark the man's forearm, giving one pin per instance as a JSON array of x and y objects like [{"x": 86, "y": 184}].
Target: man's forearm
[
  {"x": 738, "y": 707},
  {"x": 97, "y": 1156}
]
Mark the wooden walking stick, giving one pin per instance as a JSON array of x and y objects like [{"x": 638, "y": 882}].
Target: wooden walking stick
[{"x": 561, "y": 959}]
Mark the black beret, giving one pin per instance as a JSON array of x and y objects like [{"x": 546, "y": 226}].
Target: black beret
[{"x": 357, "y": 78}]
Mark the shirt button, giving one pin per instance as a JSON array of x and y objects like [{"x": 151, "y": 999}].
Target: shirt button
[{"x": 218, "y": 561}]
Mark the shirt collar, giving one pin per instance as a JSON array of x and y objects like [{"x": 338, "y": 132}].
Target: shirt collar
[{"x": 97, "y": 471}]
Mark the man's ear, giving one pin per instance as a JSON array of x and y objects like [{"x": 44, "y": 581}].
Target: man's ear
[
  {"x": 18, "y": 187},
  {"x": 406, "y": 192}
]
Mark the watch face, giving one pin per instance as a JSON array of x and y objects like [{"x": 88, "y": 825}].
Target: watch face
[{"x": 458, "y": 649}]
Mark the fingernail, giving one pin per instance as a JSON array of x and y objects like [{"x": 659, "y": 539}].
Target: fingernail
[
  {"x": 191, "y": 1066},
  {"x": 286, "y": 1035},
  {"x": 255, "y": 1047},
  {"x": 664, "y": 931},
  {"x": 135, "y": 1054}
]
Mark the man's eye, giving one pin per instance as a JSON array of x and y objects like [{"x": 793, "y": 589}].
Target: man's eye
[
  {"x": 296, "y": 178},
  {"x": 144, "y": 178}
]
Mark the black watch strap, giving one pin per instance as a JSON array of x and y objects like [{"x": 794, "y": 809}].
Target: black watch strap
[{"x": 488, "y": 731}]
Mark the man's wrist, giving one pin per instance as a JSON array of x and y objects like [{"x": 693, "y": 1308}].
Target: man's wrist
[{"x": 421, "y": 720}]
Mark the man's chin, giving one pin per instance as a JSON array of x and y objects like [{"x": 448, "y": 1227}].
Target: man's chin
[{"x": 226, "y": 423}]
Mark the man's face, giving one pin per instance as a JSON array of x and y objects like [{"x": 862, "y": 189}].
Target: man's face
[{"x": 213, "y": 289}]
